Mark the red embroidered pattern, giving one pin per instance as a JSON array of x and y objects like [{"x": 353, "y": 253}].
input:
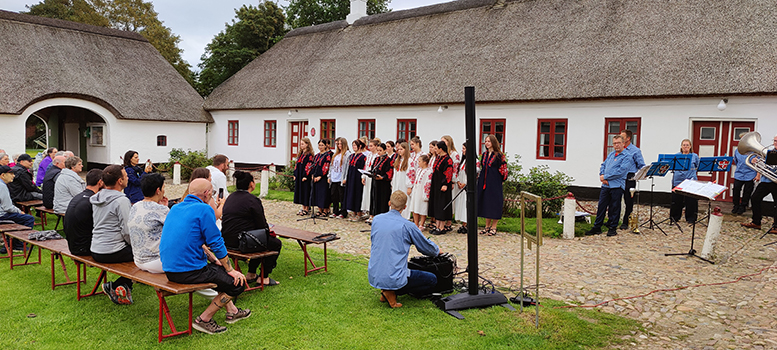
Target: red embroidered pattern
[
  {"x": 448, "y": 170},
  {"x": 322, "y": 161},
  {"x": 356, "y": 158},
  {"x": 426, "y": 175},
  {"x": 411, "y": 168},
  {"x": 306, "y": 160}
]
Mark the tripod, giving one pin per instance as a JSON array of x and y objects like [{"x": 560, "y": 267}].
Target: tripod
[
  {"x": 650, "y": 221},
  {"x": 691, "y": 252}
]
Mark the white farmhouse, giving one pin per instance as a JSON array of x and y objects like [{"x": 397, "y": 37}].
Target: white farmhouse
[{"x": 100, "y": 92}]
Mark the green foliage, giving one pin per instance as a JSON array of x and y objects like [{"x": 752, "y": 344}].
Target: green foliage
[
  {"x": 550, "y": 226},
  {"x": 303, "y": 13},
  {"x": 189, "y": 160},
  {"x": 82, "y": 11},
  {"x": 255, "y": 31},
  {"x": 285, "y": 179},
  {"x": 542, "y": 182}
]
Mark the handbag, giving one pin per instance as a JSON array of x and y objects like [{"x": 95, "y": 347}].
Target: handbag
[{"x": 253, "y": 241}]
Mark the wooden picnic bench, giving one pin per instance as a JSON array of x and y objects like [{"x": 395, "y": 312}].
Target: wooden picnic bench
[
  {"x": 237, "y": 256},
  {"x": 42, "y": 211},
  {"x": 57, "y": 247},
  {"x": 4, "y": 229},
  {"x": 26, "y": 205},
  {"x": 304, "y": 238}
]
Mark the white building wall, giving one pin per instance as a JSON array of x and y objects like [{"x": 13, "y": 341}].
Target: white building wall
[
  {"x": 664, "y": 123},
  {"x": 12, "y": 129}
]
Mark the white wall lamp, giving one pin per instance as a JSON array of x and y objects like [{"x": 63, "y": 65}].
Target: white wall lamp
[
  {"x": 442, "y": 108},
  {"x": 722, "y": 104},
  {"x": 293, "y": 110}
]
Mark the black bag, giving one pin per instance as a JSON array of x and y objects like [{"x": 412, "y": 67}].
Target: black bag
[
  {"x": 253, "y": 241},
  {"x": 441, "y": 266}
]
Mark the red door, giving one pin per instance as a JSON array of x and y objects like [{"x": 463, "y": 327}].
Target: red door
[
  {"x": 298, "y": 131},
  {"x": 719, "y": 138}
]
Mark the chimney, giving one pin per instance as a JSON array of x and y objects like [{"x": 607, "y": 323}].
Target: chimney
[{"x": 358, "y": 10}]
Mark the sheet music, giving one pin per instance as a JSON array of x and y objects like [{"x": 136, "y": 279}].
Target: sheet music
[
  {"x": 641, "y": 174},
  {"x": 708, "y": 190},
  {"x": 365, "y": 172}
]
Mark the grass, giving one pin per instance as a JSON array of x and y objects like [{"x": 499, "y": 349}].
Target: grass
[
  {"x": 326, "y": 310},
  {"x": 271, "y": 194},
  {"x": 550, "y": 226}
]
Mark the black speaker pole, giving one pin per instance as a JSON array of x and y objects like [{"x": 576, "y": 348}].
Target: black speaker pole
[{"x": 475, "y": 298}]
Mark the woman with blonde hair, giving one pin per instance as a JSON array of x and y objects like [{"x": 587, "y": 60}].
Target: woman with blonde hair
[
  {"x": 337, "y": 176},
  {"x": 679, "y": 201},
  {"x": 401, "y": 182},
  {"x": 493, "y": 172},
  {"x": 302, "y": 173}
]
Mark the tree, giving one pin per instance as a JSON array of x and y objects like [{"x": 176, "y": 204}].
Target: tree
[
  {"x": 303, "y": 13},
  {"x": 130, "y": 15},
  {"x": 255, "y": 31}
]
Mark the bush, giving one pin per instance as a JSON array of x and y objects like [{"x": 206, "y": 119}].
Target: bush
[
  {"x": 542, "y": 182},
  {"x": 189, "y": 160},
  {"x": 283, "y": 180},
  {"x": 511, "y": 188}
]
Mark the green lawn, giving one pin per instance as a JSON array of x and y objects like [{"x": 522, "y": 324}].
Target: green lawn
[{"x": 326, "y": 310}]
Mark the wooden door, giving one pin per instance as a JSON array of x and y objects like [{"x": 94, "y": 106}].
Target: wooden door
[
  {"x": 718, "y": 138},
  {"x": 298, "y": 130}
]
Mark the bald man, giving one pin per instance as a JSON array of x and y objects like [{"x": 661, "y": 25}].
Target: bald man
[
  {"x": 188, "y": 226},
  {"x": 50, "y": 179}
]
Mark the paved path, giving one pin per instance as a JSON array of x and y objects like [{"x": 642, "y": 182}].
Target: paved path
[{"x": 590, "y": 270}]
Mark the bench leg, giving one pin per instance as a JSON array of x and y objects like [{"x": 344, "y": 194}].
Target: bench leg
[
  {"x": 64, "y": 270},
  {"x": 307, "y": 259},
  {"x": 10, "y": 255},
  {"x": 164, "y": 313},
  {"x": 26, "y": 254},
  {"x": 100, "y": 279}
]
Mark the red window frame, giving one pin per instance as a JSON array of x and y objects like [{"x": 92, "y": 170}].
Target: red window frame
[
  {"x": 161, "y": 141},
  {"x": 233, "y": 130},
  {"x": 270, "y": 133},
  {"x": 551, "y": 146},
  {"x": 608, "y": 134},
  {"x": 406, "y": 129},
  {"x": 488, "y": 127},
  {"x": 328, "y": 131},
  {"x": 366, "y": 127}
]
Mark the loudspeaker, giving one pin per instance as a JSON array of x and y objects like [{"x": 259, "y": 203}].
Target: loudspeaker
[{"x": 441, "y": 266}]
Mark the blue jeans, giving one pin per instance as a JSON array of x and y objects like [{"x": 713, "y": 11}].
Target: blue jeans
[
  {"x": 21, "y": 219},
  {"x": 419, "y": 283},
  {"x": 610, "y": 203}
]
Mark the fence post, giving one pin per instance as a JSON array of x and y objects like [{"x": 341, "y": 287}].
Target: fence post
[
  {"x": 713, "y": 231},
  {"x": 230, "y": 172},
  {"x": 177, "y": 173},
  {"x": 272, "y": 170},
  {"x": 569, "y": 216},
  {"x": 265, "y": 189}
]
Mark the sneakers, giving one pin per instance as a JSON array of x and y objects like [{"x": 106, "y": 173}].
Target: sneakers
[
  {"x": 751, "y": 225},
  {"x": 210, "y": 327},
  {"x": 108, "y": 290},
  {"x": 123, "y": 295},
  {"x": 237, "y": 316},
  {"x": 612, "y": 232},
  {"x": 593, "y": 231}
]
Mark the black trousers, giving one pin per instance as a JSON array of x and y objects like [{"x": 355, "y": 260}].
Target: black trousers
[
  {"x": 679, "y": 202},
  {"x": 338, "y": 199},
  {"x": 270, "y": 262},
  {"x": 628, "y": 200},
  {"x": 762, "y": 190},
  {"x": 124, "y": 255},
  {"x": 609, "y": 205},
  {"x": 745, "y": 198},
  {"x": 211, "y": 273}
]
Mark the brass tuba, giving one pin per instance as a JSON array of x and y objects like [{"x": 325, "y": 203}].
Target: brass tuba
[
  {"x": 750, "y": 145},
  {"x": 634, "y": 217}
]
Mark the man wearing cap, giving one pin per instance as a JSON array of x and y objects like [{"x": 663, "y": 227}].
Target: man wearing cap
[
  {"x": 8, "y": 211},
  {"x": 22, "y": 188}
]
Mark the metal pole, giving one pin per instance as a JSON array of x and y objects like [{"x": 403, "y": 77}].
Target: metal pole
[{"x": 472, "y": 214}]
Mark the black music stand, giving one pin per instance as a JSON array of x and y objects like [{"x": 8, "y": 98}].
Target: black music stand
[
  {"x": 654, "y": 169},
  {"x": 697, "y": 190},
  {"x": 678, "y": 162},
  {"x": 713, "y": 164}
]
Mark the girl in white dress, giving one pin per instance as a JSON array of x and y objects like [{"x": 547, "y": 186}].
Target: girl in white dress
[
  {"x": 371, "y": 154},
  {"x": 420, "y": 192},
  {"x": 460, "y": 204},
  {"x": 400, "y": 181}
]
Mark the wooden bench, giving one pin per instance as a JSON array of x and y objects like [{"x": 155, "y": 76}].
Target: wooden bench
[
  {"x": 42, "y": 211},
  {"x": 5, "y": 228},
  {"x": 304, "y": 238},
  {"x": 26, "y": 205},
  {"x": 57, "y": 248},
  {"x": 237, "y": 256}
]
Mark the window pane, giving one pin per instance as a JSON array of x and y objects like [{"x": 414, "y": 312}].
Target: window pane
[
  {"x": 614, "y": 127},
  {"x": 545, "y": 127},
  {"x": 487, "y": 128},
  {"x": 559, "y": 139},
  {"x": 499, "y": 138},
  {"x": 738, "y": 133},
  {"x": 633, "y": 126},
  {"x": 609, "y": 141},
  {"x": 544, "y": 139},
  {"x": 560, "y": 127},
  {"x": 412, "y": 125},
  {"x": 708, "y": 133},
  {"x": 500, "y": 127},
  {"x": 544, "y": 151},
  {"x": 558, "y": 152},
  {"x": 634, "y": 139}
]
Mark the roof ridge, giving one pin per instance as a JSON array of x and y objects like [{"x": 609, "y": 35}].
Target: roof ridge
[{"x": 63, "y": 24}]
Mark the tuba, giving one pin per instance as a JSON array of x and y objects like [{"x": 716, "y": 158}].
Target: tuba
[
  {"x": 634, "y": 217},
  {"x": 750, "y": 145}
]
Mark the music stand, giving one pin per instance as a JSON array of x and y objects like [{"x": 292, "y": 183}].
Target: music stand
[
  {"x": 678, "y": 162},
  {"x": 653, "y": 169},
  {"x": 713, "y": 164},
  {"x": 698, "y": 190}
]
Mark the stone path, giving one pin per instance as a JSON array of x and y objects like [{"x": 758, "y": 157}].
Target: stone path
[{"x": 591, "y": 270}]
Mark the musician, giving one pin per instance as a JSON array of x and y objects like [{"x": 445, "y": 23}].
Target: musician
[
  {"x": 762, "y": 190},
  {"x": 679, "y": 201},
  {"x": 612, "y": 174},
  {"x": 637, "y": 163},
  {"x": 743, "y": 176}
]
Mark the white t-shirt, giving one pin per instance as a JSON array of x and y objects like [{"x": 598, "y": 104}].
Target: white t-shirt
[{"x": 218, "y": 180}]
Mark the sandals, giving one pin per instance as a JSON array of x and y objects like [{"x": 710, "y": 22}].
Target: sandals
[
  {"x": 447, "y": 229},
  {"x": 302, "y": 212},
  {"x": 491, "y": 232}
]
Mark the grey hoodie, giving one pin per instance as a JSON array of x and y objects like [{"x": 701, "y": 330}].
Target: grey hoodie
[
  {"x": 110, "y": 212},
  {"x": 68, "y": 185}
]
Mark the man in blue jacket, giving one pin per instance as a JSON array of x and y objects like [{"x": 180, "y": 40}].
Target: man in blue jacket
[
  {"x": 188, "y": 226},
  {"x": 637, "y": 163},
  {"x": 744, "y": 176},
  {"x": 612, "y": 174}
]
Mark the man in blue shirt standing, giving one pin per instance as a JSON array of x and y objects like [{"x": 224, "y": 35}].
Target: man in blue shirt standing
[
  {"x": 188, "y": 226},
  {"x": 744, "y": 176},
  {"x": 391, "y": 238},
  {"x": 764, "y": 188},
  {"x": 637, "y": 163},
  {"x": 612, "y": 174}
]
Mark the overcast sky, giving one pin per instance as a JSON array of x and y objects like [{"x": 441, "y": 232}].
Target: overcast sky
[{"x": 197, "y": 21}]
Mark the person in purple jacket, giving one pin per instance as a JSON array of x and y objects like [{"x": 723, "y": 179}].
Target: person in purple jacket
[{"x": 44, "y": 164}]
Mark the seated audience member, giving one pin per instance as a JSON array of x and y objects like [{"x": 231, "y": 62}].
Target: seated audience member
[
  {"x": 50, "y": 179},
  {"x": 204, "y": 173},
  {"x": 8, "y": 211},
  {"x": 146, "y": 219},
  {"x": 78, "y": 222},
  {"x": 69, "y": 184},
  {"x": 110, "y": 237},
  {"x": 22, "y": 188},
  {"x": 391, "y": 238},
  {"x": 188, "y": 226},
  {"x": 5, "y": 159},
  {"x": 43, "y": 167},
  {"x": 244, "y": 212}
]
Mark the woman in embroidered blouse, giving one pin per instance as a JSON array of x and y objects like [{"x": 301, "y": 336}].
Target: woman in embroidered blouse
[
  {"x": 493, "y": 171},
  {"x": 371, "y": 153},
  {"x": 419, "y": 203},
  {"x": 321, "y": 163},
  {"x": 440, "y": 197},
  {"x": 353, "y": 181},
  {"x": 381, "y": 183},
  {"x": 337, "y": 173},
  {"x": 400, "y": 182},
  {"x": 302, "y": 174}
]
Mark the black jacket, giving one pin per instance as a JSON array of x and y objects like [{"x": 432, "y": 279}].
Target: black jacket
[
  {"x": 48, "y": 186},
  {"x": 242, "y": 212},
  {"x": 22, "y": 185},
  {"x": 78, "y": 223}
]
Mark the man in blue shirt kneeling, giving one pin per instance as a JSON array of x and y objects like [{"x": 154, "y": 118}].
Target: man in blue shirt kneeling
[{"x": 391, "y": 238}]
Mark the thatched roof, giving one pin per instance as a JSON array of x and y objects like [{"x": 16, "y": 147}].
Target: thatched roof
[
  {"x": 42, "y": 58},
  {"x": 521, "y": 50}
]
